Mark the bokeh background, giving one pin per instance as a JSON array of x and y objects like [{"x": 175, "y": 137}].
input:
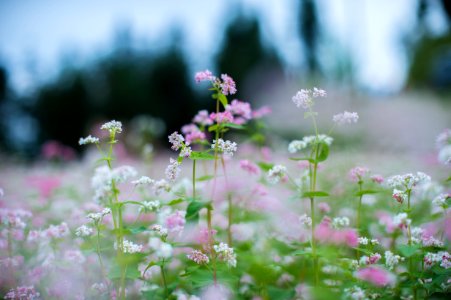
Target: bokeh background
[{"x": 66, "y": 66}]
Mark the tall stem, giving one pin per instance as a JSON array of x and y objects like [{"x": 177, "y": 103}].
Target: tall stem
[
  {"x": 211, "y": 244},
  {"x": 194, "y": 178},
  {"x": 229, "y": 225},
  {"x": 359, "y": 212},
  {"x": 163, "y": 276},
  {"x": 409, "y": 234},
  {"x": 312, "y": 207}
]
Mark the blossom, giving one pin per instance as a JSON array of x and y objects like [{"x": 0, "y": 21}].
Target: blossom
[
  {"x": 226, "y": 147},
  {"x": 160, "y": 230},
  {"x": 149, "y": 206},
  {"x": 176, "y": 140},
  {"x": 249, "y": 166},
  {"x": 129, "y": 247},
  {"x": 186, "y": 152},
  {"x": 356, "y": 174},
  {"x": 377, "y": 179},
  {"x": 222, "y": 117},
  {"x": 83, "y": 231},
  {"x": 442, "y": 257},
  {"x": 391, "y": 260},
  {"x": 22, "y": 293},
  {"x": 225, "y": 254},
  {"x": 164, "y": 251},
  {"x": 160, "y": 186},
  {"x": 228, "y": 86},
  {"x": 276, "y": 173},
  {"x": 176, "y": 221},
  {"x": 112, "y": 127},
  {"x": 303, "y": 99},
  {"x": 74, "y": 256},
  {"x": 319, "y": 93},
  {"x": 204, "y": 76},
  {"x": 296, "y": 146},
  {"x": 440, "y": 200},
  {"x": 143, "y": 180},
  {"x": 202, "y": 118},
  {"x": 88, "y": 140},
  {"x": 399, "y": 195},
  {"x": 261, "y": 112},
  {"x": 401, "y": 220},
  {"x": 56, "y": 231},
  {"x": 346, "y": 118},
  {"x": 407, "y": 181},
  {"x": 340, "y": 222},
  {"x": 305, "y": 220},
  {"x": 172, "y": 170},
  {"x": 198, "y": 257},
  {"x": 240, "y": 109},
  {"x": 195, "y": 136},
  {"x": 376, "y": 276}
]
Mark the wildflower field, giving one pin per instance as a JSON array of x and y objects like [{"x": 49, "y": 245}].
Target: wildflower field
[{"x": 221, "y": 215}]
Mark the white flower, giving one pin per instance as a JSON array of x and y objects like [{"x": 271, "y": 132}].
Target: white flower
[
  {"x": 164, "y": 251},
  {"x": 226, "y": 147},
  {"x": 176, "y": 140},
  {"x": 130, "y": 247},
  {"x": 83, "y": 231},
  {"x": 440, "y": 200},
  {"x": 88, "y": 140},
  {"x": 186, "y": 152},
  {"x": 296, "y": 146},
  {"x": 319, "y": 93},
  {"x": 112, "y": 126},
  {"x": 160, "y": 230},
  {"x": 392, "y": 260},
  {"x": 401, "y": 220},
  {"x": 172, "y": 170},
  {"x": 363, "y": 240},
  {"x": 346, "y": 118},
  {"x": 144, "y": 180},
  {"x": 305, "y": 220},
  {"x": 340, "y": 222},
  {"x": 303, "y": 99},
  {"x": 225, "y": 254},
  {"x": 149, "y": 206},
  {"x": 276, "y": 173},
  {"x": 160, "y": 186}
]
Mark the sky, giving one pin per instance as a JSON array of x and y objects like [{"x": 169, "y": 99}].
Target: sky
[{"x": 36, "y": 36}]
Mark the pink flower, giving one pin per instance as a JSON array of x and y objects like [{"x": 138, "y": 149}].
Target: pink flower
[
  {"x": 202, "y": 118},
  {"x": 240, "y": 109},
  {"x": 195, "y": 136},
  {"x": 176, "y": 221},
  {"x": 324, "y": 207},
  {"x": 261, "y": 112},
  {"x": 377, "y": 179},
  {"x": 376, "y": 276},
  {"x": 204, "y": 76},
  {"x": 56, "y": 150},
  {"x": 250, "y": 167},
  {"x": 356, "y": 174},
  {"x": 326, "y": 234},
  {"x": 228, "y": 85},
  {"x": 222, "y": 117}
]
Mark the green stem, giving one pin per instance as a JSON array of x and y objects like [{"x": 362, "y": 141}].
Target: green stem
[
  {"x": 194, "y": 179},
  {"x": 211, "y": 244},
  {"x": 313, "y": 176},
  {"x": 409, "y": 234},
  {"x": 98, "y": 251},
  {"x": 229, "y": 225},
  {"x": 163, "y": 276},
  {"x": 359, "y": 212}
]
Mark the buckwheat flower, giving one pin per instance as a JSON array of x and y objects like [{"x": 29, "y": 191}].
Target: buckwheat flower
[
  {"x": 430, "y": 241},
  {"x": 305, "y": 220},
  {"x": 106, "y": 211},
  {"x": 202, "y": 118},
  {"x": 401, "y": 220},
  {"x": 319, "y": 93},
  {"x": 83, "y": 231},
  {"x": 144, "y": 180},
  {"x": 324, "y": 207},
  {"x": 417, "y": 234},
  {"x": 312, "y": 140},
  {"x": 356, "y": 174},
  {"x": 249, "y": 167},
  {"x": 112, "y": 127},
  {"x": 176, "y": 221},
  {"x": 440, "y": 200},
  {"x": 399, "y": 195},
  {"x": 148, "y": 206},
  {"x": 56, "y": 231},
  {"x": 444, "y": 155},
  {"x": 226, "y": 147},
  {"x": 340, "y": 222},
  {"x": 74, "y": 256},
  {"x": 222, "y": 117},
  {"x": 94, "y": 217},
  {"x": 261, "y": 112},
  {"x": 376, "y": 276},
  {"x": 173, "y": 170},
  {"x": 195, "y": 136},
  {"x": 377, "y": 179},
  {"x": 442, "y": 257},
  {"x": 303, "y": 99},
  {"x": 176, "y": 140},
  {"x": 198, "y": 257},
  {"x": 407, "y": 181},
  {"x": 296, "y": 146},
  {"x": 392, "y": 260},
  {"x": 346, "y": 118},
  {"x": 240, "y": 109},
  {"x": 186, "y": 152},
  {"x": 228, "y": 86},
  {"x": 130, "y": 247},
  {"x": 204, "y": 76},
  {"x": 225, "y": 254},
  {"x": 444, "y": 138},
  {"x": 123, "y": 173},
  {"x": 374, "y": 242},
  {"x": 164, "y": 251},
  {"x": 355, "y": 293},
  {"x": 160, "y": 230},
  {"x": 88, "y": 140},
  {"x": 160, "y": 186},
  {"x": 363, "y": 240},
  {"x": 374, "y": 258},
  {"x": 22, "y": 293},
  {"x": 276, "y": 173},
  {"x": 99, "y": 287}
]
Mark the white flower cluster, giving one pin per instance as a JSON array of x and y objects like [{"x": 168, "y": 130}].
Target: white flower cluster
[
  {"x": 340, "y": 222},
  {"x": 355, "y": 293},
  {"x": 56, "y": 231},
  {"x": 97, "y": 217},
  {"x": 440, "y": 200},
  {"x": 143, "y": 180},
  {"x": 112, "y": 126},
  {"x": 226, "y": 147},
  {"x": 392, "y": 260},
  {"x": 176, "y": 140},
  {"x": 307, "y": 141},
  {"x": 401, "y": 220},
  {"x": 148, "y": 206},
  {"x": 365, "y": 241},
  {"x": 305, "y": 220},
  {"x": 173, "y": 170},
  {"x": 407, "y": 181},
  {"x": 102, "y": 181},
  {"x": 304, "y": 97},
  {"x": 444, "y": 147},
  {"x": 442, "y": 257},
  {"x": 276, "y": 173},
  {"x": 130, "y": 247},
  {"x": 225, "y": 254},
  {"x": 431, "y": 241},
  {"x": 83, "y": 231},
  {"x": 346, "y": 118},
  {"x": 160, "y": 230},
  {"x": 88, "y": 140}
]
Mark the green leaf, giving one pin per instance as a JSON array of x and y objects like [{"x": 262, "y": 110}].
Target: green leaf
[
  {"x": 136, "y": 230},
  {"x": 234, "y": 126},
  {"x": 440, "y": 271},
  {"x": 192, "y": 211},
  {"x": 314, "y": 194},
  {"x": 212, "y": 127},
  {"x": 195, "y": 155},
  {"x": 302, "y": 253},
  {"x": 175, "y": 201},
  {"x": 303, "y": 158},
  {"x": 132, "y": 202},
  {"x": 408, "y": 251},
  {"x": 265, "y": 166},
  {"x": 205, "y": 178},
  {"x": 323, "y": 152},
  {"x": 223, "y": 99},
  {"x": 365, "y": 192}
]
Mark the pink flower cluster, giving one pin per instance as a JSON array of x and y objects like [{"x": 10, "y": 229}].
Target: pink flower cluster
[
  {"x": 22, "y": 293},
  {"x": 356, "y": 174},
  {"x": 376, "y": 276},
  {"x": 176, "y": 221},
  {"x": 325, "y": 233}
]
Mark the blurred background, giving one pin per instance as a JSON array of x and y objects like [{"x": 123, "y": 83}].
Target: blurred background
[{"x": 66, "y": 66}]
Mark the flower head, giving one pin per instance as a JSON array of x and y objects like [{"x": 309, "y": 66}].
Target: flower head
[
  {"x": 276, "y": 173},
  {"x": 226, "y": 147},
  {"x": 204, "y": 76},
  {"x": 112, "y": 127},
  {"x": 88, "y": 140},
  {"x": 346, "y": 118},
  {"x": 228, "y": 85},
  {"x": 172, "y": 170},
  {"x": 198, "y": 257}
]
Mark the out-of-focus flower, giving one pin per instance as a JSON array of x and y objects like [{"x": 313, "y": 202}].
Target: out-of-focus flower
[
  {"x": 112, "y": 126},
  {"x": 198, "y": 257},
  {"x": 346, "y": 118},
  {"x": 226, "y": 254},
  {"x": 356, "y": 174},
  {"x": 249, "y": 167},
  {"x": 88, "y": 140},
  {"x": 204, "y": 76},
  {"x": 173, "y": 170},
  {"x": 226, "y": 147},
  {"x": 376, "y": 276},
  {"x": 228, "y": 86},
  {"x": 276, "y": 173}
]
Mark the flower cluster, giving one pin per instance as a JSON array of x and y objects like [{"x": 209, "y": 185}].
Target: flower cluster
[
  {"x": 442, "y": 258},
  {"x": 225, "y": 254},
  {"x": 227, "y": 85},
  {"x": 346, "y": 118},
  {"x": 228, "y": 148},
  {"x": 309, "y": 141},
  {"x": 276, "y": 173},
  {"x": 88, "y": 140},
  {"x": 130, "y": 247},
  {"x": 112, "y": 126},
  {"x": 198, "y": 257},
  {"x": 173, "y": 169},
  {"x": 304, "y": 97},
  {"x": 22, "y": 293}
]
